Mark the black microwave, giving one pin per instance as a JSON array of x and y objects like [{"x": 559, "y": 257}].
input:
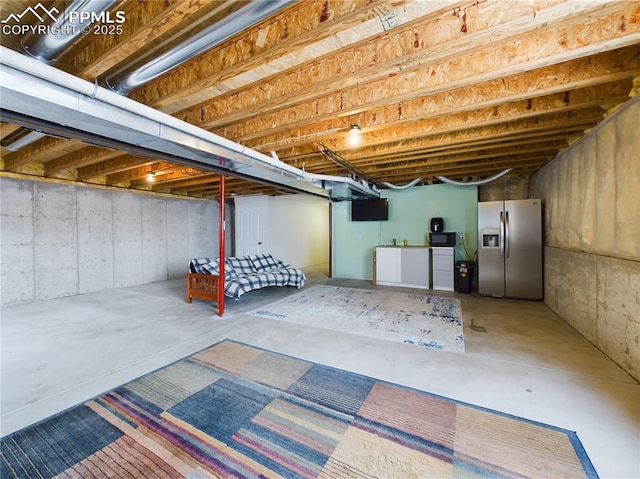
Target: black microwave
[{"x": 442, "y": 239}]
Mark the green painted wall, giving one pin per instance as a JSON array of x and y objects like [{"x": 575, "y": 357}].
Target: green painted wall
[{"x": 410, "y": 211}]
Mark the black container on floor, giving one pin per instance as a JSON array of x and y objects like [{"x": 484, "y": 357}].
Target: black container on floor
[{"x": 464, "y": 276}]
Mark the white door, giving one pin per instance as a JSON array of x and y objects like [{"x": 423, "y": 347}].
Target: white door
[{"x": 250, "y": 225}]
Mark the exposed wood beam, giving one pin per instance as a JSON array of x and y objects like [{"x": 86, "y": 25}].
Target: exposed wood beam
[
  {"x": 472, "y": 145},
  {"x": 545, "y": 125},
  {"x": 442, "y": 162},
  {"x": 121, "y": 163},
  {"x": 495, "y": 154},
  {"x": 268, "y": 48},
  {"x": 472, "y": 61},
  {"x": 499, "y": 115},
  {"x": 237, "y": 187},
  {"x": 471, "y": 169},
  {"x": 184, "y": 183},
  {"x": 6, "y": 129},
  {"x": 461, "y": 122},
  {"x": 163, "y": 172},
  {"x": 558, "y": 79},
  {"x": 362, "y": 61},
  {"x": 461, "y": 147},
  {"x": 78, "y": 159},
  {"x": 41, "y": 151},
  {"x": 535, "y": 145}
]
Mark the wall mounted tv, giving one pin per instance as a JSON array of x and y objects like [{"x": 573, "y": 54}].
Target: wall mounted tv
[{"x": 370, "y": 210}]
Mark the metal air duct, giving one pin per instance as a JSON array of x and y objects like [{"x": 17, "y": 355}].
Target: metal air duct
[
  {"x": 61, "y": 35},
  {"x": 241, "y": 19},
  {"x": 65, "y": 30}
]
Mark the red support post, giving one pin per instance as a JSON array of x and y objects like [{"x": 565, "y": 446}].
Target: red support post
[
  {"x": 221, "y": 254},
  {"x": 330, "y": 239}
]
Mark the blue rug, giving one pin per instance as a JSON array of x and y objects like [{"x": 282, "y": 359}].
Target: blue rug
[{"x": 424, "y": 320}]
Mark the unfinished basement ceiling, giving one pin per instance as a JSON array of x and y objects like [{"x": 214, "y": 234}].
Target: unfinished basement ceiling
[{"x": 463, "y": 90}]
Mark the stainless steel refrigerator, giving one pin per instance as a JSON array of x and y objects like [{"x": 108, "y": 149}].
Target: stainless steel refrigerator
[{"x": 510, "y": 249}]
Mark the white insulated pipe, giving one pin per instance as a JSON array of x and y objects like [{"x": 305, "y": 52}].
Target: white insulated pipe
[
  {"x": 474, "y": 183},
  {"x": 402, "y": 187}
]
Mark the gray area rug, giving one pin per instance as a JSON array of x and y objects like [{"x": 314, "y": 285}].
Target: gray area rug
[{"x": 429, "y": 321}]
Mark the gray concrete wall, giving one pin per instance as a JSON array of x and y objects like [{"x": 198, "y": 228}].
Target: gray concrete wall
[
  {"x": 598, "y": 296},
  {"x": 592, "y": 236},
  {"x": 60, "y": 239}
]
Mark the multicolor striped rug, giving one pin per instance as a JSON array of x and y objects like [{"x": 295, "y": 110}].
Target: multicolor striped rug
[{"x": 235, "y": 410}]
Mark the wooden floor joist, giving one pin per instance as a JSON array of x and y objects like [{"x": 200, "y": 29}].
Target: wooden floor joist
[{"x": 464, "y": 87}]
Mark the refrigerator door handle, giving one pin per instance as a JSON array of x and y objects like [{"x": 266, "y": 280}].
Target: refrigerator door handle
[
  {"x": 506, "y": 233},
  {"x": 501, "y": 238}
]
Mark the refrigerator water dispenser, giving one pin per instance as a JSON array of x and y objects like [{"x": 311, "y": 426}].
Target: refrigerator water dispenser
[{"x": 490, "y": 238}]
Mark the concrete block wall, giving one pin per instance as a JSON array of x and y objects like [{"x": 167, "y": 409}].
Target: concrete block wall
[
  {"x": 592, "y": 236},
  {"x": 60, "y": 239}
]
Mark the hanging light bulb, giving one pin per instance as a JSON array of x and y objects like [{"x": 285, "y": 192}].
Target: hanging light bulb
[
  {"x": 151, "y": 177},
  {"x": 355, "y": 136}
]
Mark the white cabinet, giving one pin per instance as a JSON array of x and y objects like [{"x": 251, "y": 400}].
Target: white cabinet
[
  {"x": 402, "y": 266},
  {"x": 387, "y": 265},
  {"x": 443, "y": 266}
]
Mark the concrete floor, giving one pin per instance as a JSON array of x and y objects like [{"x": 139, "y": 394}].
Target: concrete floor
[{"x": 520, "y": 358}]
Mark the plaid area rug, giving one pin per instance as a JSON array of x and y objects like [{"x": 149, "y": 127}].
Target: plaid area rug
[
  {"x": 238, "y": 411},
  {"x": 430, "y": 321}
]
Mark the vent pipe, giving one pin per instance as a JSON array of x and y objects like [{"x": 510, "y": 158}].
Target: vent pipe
[
  {"x": 216, "y": 33},
  {"x": 46, "y": 48},
  {"x": 64, "y": 31}
]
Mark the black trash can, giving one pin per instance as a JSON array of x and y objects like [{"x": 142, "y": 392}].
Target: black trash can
[{"x": 464, "y": 276}]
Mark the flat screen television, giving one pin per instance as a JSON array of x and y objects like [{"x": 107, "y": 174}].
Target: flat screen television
[{"x": 370, "y": 210}]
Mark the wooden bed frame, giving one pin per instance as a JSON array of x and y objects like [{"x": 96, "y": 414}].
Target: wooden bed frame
[{"x": 205, "y": 287}]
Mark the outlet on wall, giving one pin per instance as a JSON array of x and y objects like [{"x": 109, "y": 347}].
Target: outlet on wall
[{"x": 461, "y": 238}]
